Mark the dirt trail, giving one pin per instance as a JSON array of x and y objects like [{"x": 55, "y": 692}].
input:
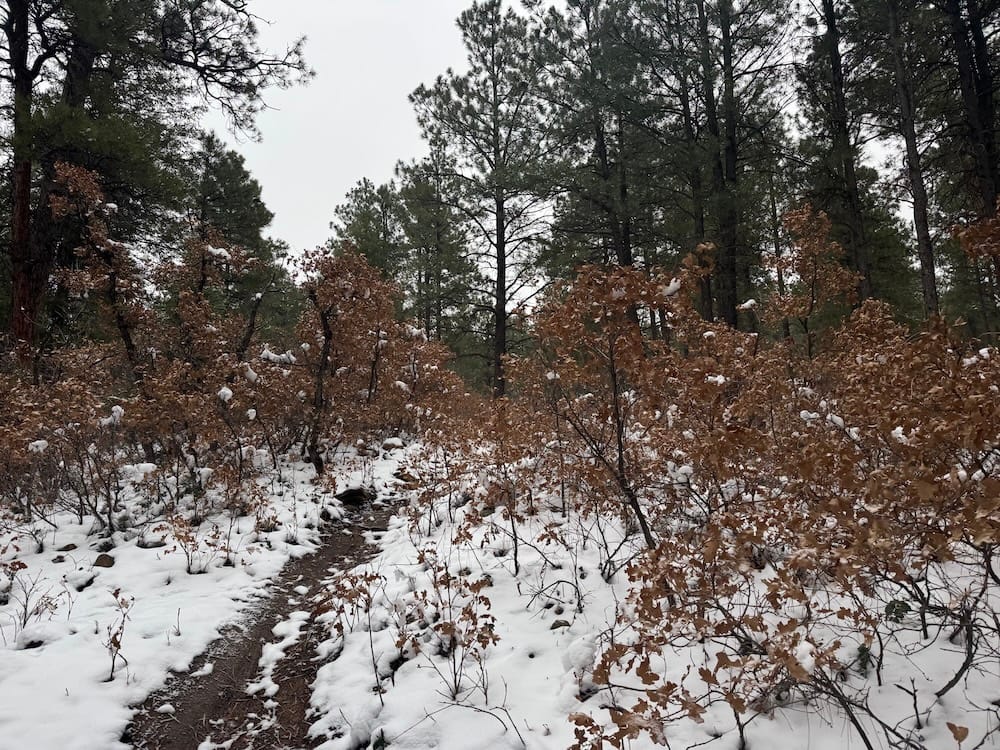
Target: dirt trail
[{"x": 216, "y": 706}]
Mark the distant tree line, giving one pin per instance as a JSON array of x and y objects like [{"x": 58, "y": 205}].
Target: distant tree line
[{"x": 639, "y": 132}]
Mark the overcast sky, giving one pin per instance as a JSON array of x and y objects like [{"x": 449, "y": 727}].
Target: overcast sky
[{"x": 353, "y": 119}]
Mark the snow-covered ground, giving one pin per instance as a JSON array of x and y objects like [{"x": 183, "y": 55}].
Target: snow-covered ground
[
  {"x": 461, "y": 634},
  {"x": 440, "y": 644},
  {"x": 144, "y": 615}
]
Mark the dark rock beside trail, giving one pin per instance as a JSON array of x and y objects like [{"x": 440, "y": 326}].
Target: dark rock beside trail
[{"x": 357, "y": 495}]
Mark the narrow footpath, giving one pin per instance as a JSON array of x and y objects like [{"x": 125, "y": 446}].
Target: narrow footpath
[{"x": 210, "y": 707}]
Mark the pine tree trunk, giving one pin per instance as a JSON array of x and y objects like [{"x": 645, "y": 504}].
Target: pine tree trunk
[
  {"x": 24, "y": 274},
  {"x": 611, "y": 195},
  {"x": 697, "y": 190},
  {"x": 35, "y": 236},
  {"x": 500, "y": 301},
  {"x": 725, "y": 273},
  {"x": 977, "y": 101},
  {"x": 918, "y": 189},
  {"x": 843, "y": 151},
  {"x": 626, "y": 257},
  {"x": 786, "y": 330},
  {"x": 500, "y": 247},
  {"x": 729, "y": 217}
]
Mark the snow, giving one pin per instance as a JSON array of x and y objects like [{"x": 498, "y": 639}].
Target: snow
[
  {"x": 117, "y": 412},
  {"x": 54, "y": 668},
  {"x": 805, "y": 655},
  {"x": 415, "y": 333},
  {"x": 670, "y": 289},
  {"x": 142, "y": 470},
  {"x": 225, "y": 394},
  {"x": 38, "y": 446},
  {"x": 288, "y": 632},
  {"x": 206, "y": 670},
  {"x": 553, "y": 618},
  {"x": 523, "y": 665},
  {"x": 278, "y": 359},
  {"x": 579, "y": 655}
]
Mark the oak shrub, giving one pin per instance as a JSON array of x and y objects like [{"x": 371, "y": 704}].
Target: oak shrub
[
  {"x": 795, "y": 510},
  {"x": 174, "y": 408}
]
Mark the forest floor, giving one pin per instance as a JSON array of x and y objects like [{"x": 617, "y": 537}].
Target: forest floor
[
  {"x": 143, "y": 638},
  {"x": 451, "y": 626},
  {"x": 224, "y": 700}
]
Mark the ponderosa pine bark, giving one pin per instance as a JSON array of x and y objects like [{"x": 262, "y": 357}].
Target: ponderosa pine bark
[
  {"x": 723, "y": 158},
  {"x": 28, "y": 271},
  {"x": 918, "y": 187},
  {"x": 729, "y": 213},
  {"x": 975, "y": 80},
  {"x": 844, "y": 153}
]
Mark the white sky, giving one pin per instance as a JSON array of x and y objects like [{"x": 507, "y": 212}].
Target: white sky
[{"x": 353, "y": 119}]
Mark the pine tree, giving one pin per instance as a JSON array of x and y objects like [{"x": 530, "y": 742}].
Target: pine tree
[
  {"x": 825, "y": 85},
  {"x": 371, "y": 221},
  {"x": 489, "y": 122},
  {"x": 225, "y": 204},
  {"x": 600, "y": 115},
  {"x": 88, "y": 51},
  {"x": 440, "y": 278}
]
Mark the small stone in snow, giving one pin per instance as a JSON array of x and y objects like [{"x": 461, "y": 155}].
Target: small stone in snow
[{"x": 104, "y": 561}]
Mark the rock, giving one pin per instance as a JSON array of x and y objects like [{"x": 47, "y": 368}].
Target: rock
[
  {"x": 105, "y": 546},
  {"x": 357, "y": 495},
  {"x": 559, "y": 624},
  {"x": 150, "y": 543},
  {"x": 406, "y": 477},
  {"x": 67, "y": 548},
  {"x": 104, "y": 561},
  {"x": 59, "y": 558}
]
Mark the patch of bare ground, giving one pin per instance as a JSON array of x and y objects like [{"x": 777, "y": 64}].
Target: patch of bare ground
[{"x": 216, "y": 706}]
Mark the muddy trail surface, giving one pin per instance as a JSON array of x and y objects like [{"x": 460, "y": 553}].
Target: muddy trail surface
[{"x": 210, "y": 705}]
